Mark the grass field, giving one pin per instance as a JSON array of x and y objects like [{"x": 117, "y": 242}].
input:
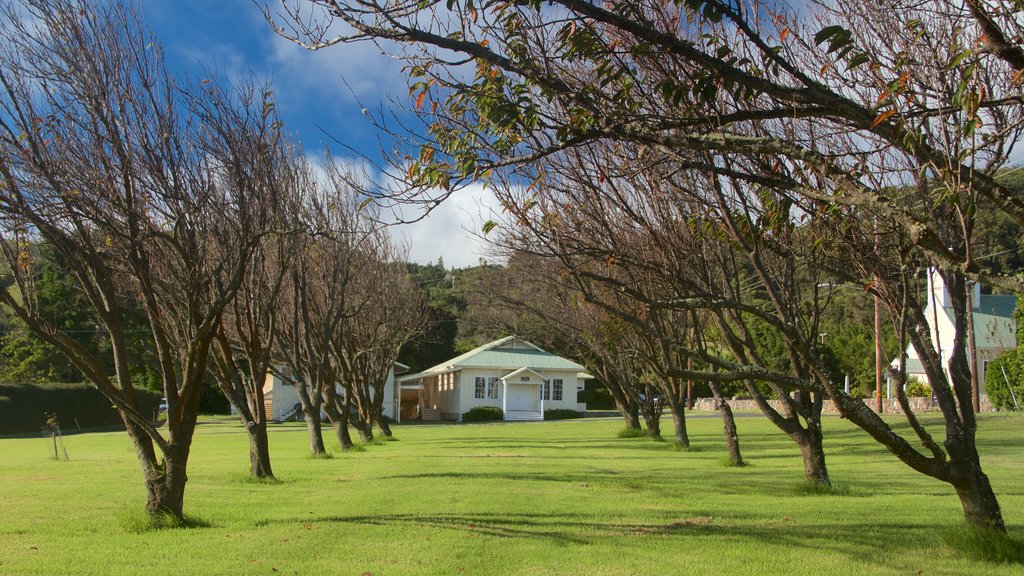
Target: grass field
[{"x": 565, "y": 497}]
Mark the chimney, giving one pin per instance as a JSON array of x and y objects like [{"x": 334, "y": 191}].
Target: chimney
[{"x": 937, "y": 292}]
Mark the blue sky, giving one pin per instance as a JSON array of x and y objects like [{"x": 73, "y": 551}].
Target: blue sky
[{"x": 327, "y": 89}]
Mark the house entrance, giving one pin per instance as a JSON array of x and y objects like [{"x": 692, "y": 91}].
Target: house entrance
[{"x": 522, "y": 398}]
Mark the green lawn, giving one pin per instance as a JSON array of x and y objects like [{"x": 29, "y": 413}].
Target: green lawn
[{"x": 565, "y": 497}]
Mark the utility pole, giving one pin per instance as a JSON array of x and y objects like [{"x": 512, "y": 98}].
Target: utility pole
[
  {"x": 689, "y": 385},
  {"x": 878, "y": 355},
  {"x": 878, "y": 339},
  {"x": 972, "y": 360}
]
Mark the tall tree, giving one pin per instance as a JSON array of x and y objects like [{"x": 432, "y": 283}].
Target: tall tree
[
  {"x": 134, "y": 182},
  {"x": 247, "y": 334},
  {"x": 832, "y": 108}
]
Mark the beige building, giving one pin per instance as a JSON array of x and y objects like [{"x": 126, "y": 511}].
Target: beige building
[
  {"x": 512, "y": 374},
  {"x": 995, "y": 330}
]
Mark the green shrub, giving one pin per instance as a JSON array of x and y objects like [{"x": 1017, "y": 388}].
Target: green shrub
[
  {"x": 918, "y": 389},
  {"x": 483, "y": 414},
  {"x": 23, "y": 407},
  {"x": 596, "y": 396},
  {"x": 1002, "y": 374},
  {"x": 562, "y": 414}
]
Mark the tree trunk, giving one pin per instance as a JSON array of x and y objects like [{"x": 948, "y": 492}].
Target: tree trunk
[
  {"x": 311, "y": 413},
  {"x": 365, "y": 432},
  {"x": 165, "y": 486},
  {"x": 732, "y": 438},
  {"x": 342, "y": 433},
  {"x": 362, "y": 428},
  {"x": 677, "y": 409},
  {"x": 978, "y": 500},
  {"x": 653, "y": 420},
  {"x": 814, "y": 457},
  {"x": 259, "y": 450},
  {"x": 631, "y": 414},
  {"x": 316, "y": 437},
  {"x": 384, "y": 427}
]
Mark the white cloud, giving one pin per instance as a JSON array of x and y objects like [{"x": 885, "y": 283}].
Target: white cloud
[
  {"x": 452, "y": 230},
  {"x": 342, "y": 73}
]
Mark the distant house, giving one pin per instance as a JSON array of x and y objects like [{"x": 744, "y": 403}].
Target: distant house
[
  {"x": 512, "y": 374},
  {"x": 281, "y": 400},
  {"x": 995, "y": 330}
]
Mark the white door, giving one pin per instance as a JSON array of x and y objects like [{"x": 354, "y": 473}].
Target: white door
[{"x": 520, "y": 398}]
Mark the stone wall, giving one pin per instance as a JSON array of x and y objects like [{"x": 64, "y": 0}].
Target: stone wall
[{"x": 888, "y": 406}]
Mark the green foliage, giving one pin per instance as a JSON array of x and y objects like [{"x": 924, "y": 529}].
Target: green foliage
[
  {"x": 1004, "y": 374},
  {"x": 25, "y": 358},
  {"x": 918, "y": 389},
  {"x": 562, "y": 414},
  {"x": 23, "y": 406},
  {"x": 453, "y": 328},
  {"x": 848, "y": 326},
  {"x": 212, "y": 400},
  {"x": 986, "y": 545},
  {"x": 998, "y": 239},
  {"x": 483, "y": 414},
  {"x": 596, "y": 396}
]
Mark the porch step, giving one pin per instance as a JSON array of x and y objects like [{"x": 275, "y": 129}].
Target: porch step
[
  {"x": 523, "y": 416},
  {"x": 430, "y": 414}
]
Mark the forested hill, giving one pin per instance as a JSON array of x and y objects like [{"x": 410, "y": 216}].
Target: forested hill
[{"x": 461, "y": 319}]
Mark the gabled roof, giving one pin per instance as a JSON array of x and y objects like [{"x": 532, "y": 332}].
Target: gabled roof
[
  {"x": 994, "y": 326},
  {"x": 523, "y": 372},
  {"x": 509, "y": 353}
]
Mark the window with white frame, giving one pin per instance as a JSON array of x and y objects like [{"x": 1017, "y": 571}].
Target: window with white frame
[
  {"x": 556, "y": 389},
  {"x": 545, "y": 390},
  {"x": 492, "y": 388},
  {"x": 478, "y": 387}
]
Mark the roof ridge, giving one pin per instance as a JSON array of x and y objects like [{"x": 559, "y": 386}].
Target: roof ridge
[{"x": 467, "y": 355}]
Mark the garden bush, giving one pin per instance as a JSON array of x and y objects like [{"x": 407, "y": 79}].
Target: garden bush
[
  {"x": 562, "y": 414},
  {"x": 483, "y": 414},
  {"x": 918, "y": 389},
  {"x": 1004, "y": 373},
  {"x": 23, "y": 407}
]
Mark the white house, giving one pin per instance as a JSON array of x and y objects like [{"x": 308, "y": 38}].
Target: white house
[
  {"x": 281, "y": 400},
  {"x": 512, "y": 374},
  {"x": 995, "y": 330}
]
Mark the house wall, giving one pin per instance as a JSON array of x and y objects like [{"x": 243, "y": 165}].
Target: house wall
[
  {"x": 468, "y": 382},
  {"x": 942, "y": 336},
  {"x": 390, "y": 406},
  {"x": 442, "y": 392},
  {"x": 282, "y": 397}
]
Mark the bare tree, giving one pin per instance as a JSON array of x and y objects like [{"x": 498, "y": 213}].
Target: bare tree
[
  {"x": 246, "y": 337},
  {"x": 141, "y": 185},
  {"x": 835, "y": 106},
  {"x": 317, "y": 296},
  {"x": 549, "y": 309},
  {"x": 391, "y": 312}
]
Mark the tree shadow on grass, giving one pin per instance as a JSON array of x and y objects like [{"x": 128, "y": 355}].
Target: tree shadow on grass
[{"x": 852, "y": 540}]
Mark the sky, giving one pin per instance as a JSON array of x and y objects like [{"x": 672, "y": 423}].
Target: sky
[{"x": 321, "y": 97}]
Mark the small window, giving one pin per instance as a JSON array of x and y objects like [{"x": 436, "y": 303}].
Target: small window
[
  {"x": 478, "y": 387},
  {"x": 556, "y": 389},
  {"x": 524, "y": 379},
  {"x": 492, "y": 388}
]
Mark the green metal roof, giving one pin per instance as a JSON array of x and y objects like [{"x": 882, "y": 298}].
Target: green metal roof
[
  {"x": 994, "y": 326},
  {"x": 509, "y": 353}
]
